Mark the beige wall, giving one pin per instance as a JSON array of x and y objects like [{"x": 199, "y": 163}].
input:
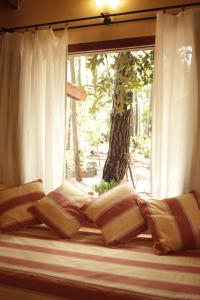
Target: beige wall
[{"x": 40, "y": 11}]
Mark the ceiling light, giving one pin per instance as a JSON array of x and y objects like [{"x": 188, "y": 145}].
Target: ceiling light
[{"x": 106, "y": 5}]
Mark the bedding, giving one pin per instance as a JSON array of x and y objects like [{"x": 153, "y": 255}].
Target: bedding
[{"x": 35, "y": 264}]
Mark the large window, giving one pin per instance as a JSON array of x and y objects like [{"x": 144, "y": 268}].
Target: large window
[{"x": 89, "y": 120}]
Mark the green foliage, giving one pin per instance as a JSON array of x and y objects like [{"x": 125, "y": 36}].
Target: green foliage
[
  {"x": 95, "y": 139},
  {"x": 98, "y": 73},
  {"x": 102, "y": 83},
  {"x": 93, "y": 127},
  {"x": 142, "y": 145},
  {"x": 104, "y": 186},
  {"x": 137, "y": 70}
]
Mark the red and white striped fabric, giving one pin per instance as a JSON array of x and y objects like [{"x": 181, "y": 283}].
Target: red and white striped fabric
[
  {"x": 14, "y": 205},
  {"x": 36, "y": 264},
  {"x": 174, "y": 222},
  {"x": 75, "y": 192},
  {"x": 59, "y": 213},
  {"x": 117, "y": 214}
]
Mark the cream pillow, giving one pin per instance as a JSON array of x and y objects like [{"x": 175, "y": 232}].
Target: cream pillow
[
  {"x": 174, "y": 222},
  {"x": 117, "y": 214},
  {"x": 14, "y": 205},
  {"x": 74, "y": 192},
  {"x": 59, "y": 213}
]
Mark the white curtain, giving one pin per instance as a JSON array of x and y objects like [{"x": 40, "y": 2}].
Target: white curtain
[
  {"x": 32, "y": 107},
  {"x": 175, "y": 110}
]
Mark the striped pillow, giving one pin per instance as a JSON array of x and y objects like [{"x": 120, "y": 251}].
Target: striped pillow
[
  {"x": 117, "y": 214},
  {"x": 174, "y": 222},
  {"x": 14, "y": 204},
  {"x": 59, "y": 213},
  {"x": 74, "y": 192}
]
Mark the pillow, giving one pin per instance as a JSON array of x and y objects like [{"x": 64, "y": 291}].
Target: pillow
[
  {"x": 117, "y": 214},
  {"x": 14, "y": 204},
  {"x": 75, "y": 193},
  {"x": 59, "y": 213},
  {"x": 174, "y": 222}
]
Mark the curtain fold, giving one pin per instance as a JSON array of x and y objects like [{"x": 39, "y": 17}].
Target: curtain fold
[
  {"x": 32, "y": 107},
  {"x": 175, "y": 166}
]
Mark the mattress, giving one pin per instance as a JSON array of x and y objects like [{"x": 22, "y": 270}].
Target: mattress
[{"x": 36, "y": 265}]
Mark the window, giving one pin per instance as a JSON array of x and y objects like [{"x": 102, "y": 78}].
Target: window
[{"x": 89, "y": 122}]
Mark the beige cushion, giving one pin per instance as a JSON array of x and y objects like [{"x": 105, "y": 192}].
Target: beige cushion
[
  {"x": 74, "y": 192},
  {"x": 59, "y": 213},
  {"x": 14, "y": 205},
  {"x": 174, "y": 223},
  {"x": 117, "y": 214}
]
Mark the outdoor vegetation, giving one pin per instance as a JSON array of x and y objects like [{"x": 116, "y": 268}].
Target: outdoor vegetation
[{"x": 109, "y": 134}]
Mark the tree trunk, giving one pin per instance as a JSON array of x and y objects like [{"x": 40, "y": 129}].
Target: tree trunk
[
  {"x": 75, "y": 131},
  {"x": 75, "y": 143},
  {"x": 136, "y": 115},
  {"x": 116, "y": 162},
  {"x": 118, "y": 154},
  {"x": 69, "y": 126}
]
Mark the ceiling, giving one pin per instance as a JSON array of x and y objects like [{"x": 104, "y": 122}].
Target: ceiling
[{"x": 12, "y": 4}]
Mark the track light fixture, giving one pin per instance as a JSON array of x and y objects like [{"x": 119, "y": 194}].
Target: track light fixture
[
  {"x": 106, "y": 18},
  {"x": 106, "y": 7}
]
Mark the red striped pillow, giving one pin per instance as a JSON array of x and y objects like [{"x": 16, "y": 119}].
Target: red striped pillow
[
  {"x": 75, "y": 192},
  {"x": 117, "y": 214},
  {"x": 14, "y": 205},
  {"x": 174, "y": 222},
  {"x": 59, "y": 213}
]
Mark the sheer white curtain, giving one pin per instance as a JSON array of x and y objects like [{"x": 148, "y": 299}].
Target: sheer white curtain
[
  {"x": 175, "y": 130},
  {"x": 32, "y": 107}
]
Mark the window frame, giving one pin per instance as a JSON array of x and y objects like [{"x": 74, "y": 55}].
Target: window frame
[{"x": 110, "y": 45}]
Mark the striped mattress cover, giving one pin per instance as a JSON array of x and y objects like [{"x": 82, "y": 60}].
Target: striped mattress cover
[{"x": 38, "y": 265}]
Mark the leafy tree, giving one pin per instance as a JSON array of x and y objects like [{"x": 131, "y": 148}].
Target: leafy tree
[
  {"x": 74, "y": 128},
  {"x": 116, "y": 162},
  {"x": 102, "y": 83},
  {"x": 132, "y": 72},
  {"x": 94, "y": 113},
  {"x": 117, "y": 79}
]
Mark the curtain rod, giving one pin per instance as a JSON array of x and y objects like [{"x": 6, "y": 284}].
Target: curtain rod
[{"x": 105, "y": 16}]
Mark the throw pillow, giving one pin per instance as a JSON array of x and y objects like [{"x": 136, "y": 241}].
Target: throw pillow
[
  {"x": 14, "y": 204},
  {"x": 174, "y": 222},
  {"x": 117, "y": 214},
  {"x": 74, "y": 192},
  {"x": 59, "y": 213}
]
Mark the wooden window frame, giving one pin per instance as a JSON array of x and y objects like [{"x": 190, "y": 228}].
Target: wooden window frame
[{"x": 110, "y": 45}]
